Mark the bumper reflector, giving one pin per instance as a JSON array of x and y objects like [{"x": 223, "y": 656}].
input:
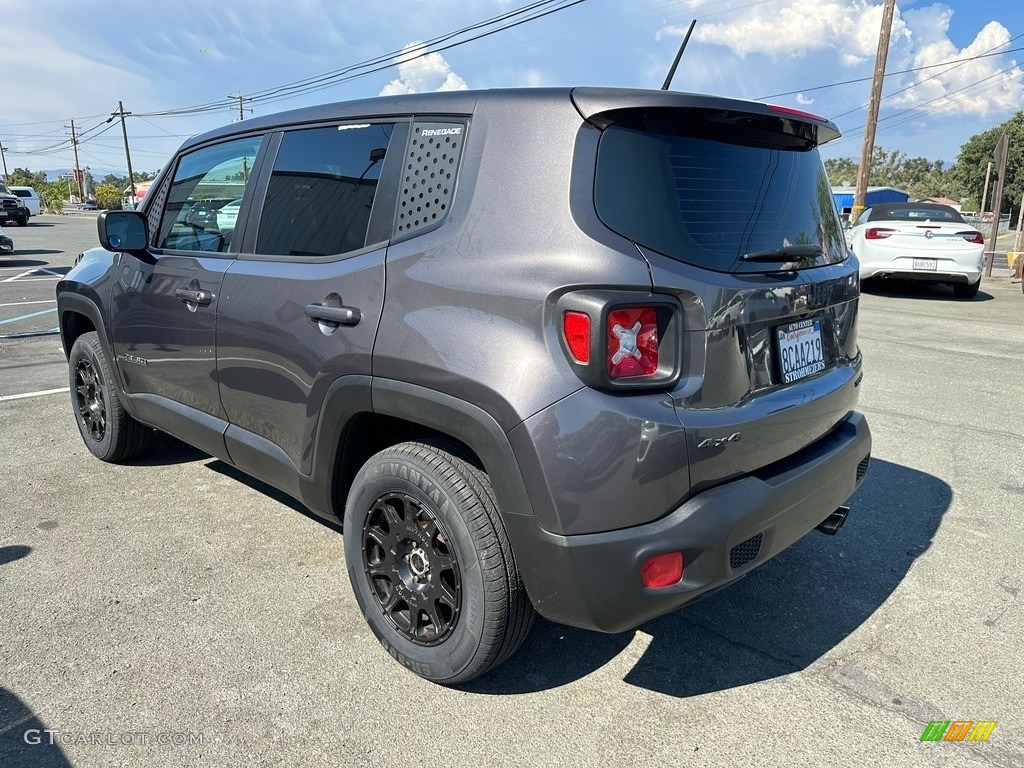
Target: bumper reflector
[{"x": 662, "y": 570}]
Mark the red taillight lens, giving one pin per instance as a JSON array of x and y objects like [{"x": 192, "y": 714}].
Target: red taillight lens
[
  {"x": 973, "y": 237},
  {"x": 632, "y": 340},
  {"x": 662, "y": 570},
  {"x": 576, "y": 327},
  {"x": 878, "y": 233}
]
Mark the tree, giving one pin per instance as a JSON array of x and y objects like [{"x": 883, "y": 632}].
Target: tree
[
  {"x": 108, "y": 196},
  {"x": 23, "y": 177},
  {"x": 917, "y": 176},
  {"x": 975, "y": 155}
]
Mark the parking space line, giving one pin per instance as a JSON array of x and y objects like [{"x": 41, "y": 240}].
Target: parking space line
[
  {"x": 34, "y": 394},
  {"x": 26, "y": 317},
  {"x": 25, "y": 303},
  {"x": 15, "y": 277}
]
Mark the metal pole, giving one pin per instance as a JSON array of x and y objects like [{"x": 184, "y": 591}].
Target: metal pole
[
  {"x": 984, "y": 192},
  {"x": 78, "y": 171},
  {"x": 1019, "y": 241},
  {"x": 868, "y": 148},
  {"x": 127, "y": 155},
  {"x": 4, "y": 157},
  {"x": 1002, "y": 147}
]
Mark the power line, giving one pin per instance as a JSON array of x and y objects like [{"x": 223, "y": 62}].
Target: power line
[{"x": 890, "y": 74}]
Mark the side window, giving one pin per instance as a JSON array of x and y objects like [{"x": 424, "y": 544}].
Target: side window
[
  {"x": 322, "y": 190},
  {"x": 204, "y": 197}
]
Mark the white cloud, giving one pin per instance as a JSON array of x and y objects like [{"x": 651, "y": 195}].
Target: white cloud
[
  {"x": 839, "y": 38},
  {"x": 804, "y": 100},
  {"x": 418, "y": 73},
  {"x": 793, "y": 28},
  {"x": 987, "y": 86}
]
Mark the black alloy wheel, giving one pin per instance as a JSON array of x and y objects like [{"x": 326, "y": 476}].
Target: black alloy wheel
[
  {"x": 408, "y": 561},
  {"x": 431, "y": 564},
  {"x": 108, "y": 431},
  {"x": 89, "y": 397}
]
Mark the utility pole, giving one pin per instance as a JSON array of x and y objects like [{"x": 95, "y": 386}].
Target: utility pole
[
  {"x": 78, "y": 171},
  {"x": 4, "y": 157},
  {"x": 984, "y": 192},
  {"x": 868, "y": 148},
  {"x": 127, "y": 155},
  {"x": 1002, "y": 150},
  {"x": 241, "y": 111}
]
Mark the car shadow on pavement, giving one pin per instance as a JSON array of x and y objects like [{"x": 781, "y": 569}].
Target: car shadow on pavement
[
  {"x": 11, "y": 553},
  {"x": 269, "y": 491},
  {"x": 24, "y": 740},
  {"x": 782, "y": 618},
  {"x": 907, "y": 289},
  {"x": 165, "y": 450},
  {"x": 34, "y": 252}
]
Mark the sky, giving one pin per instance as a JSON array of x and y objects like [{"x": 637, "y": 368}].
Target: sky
[{"x": 77, "y": 60}]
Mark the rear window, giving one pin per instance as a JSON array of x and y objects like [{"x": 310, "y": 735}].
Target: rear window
[
  {"x": 707, "y": 201},
  {"x": 915, "y": 213}
]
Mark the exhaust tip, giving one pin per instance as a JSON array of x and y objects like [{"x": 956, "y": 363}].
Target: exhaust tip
[{"x": 831, "y": 524}]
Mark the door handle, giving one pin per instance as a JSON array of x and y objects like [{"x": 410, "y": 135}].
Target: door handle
[
  {"x": 194, "y": 296},
  {"x": 339, "y": 315}
]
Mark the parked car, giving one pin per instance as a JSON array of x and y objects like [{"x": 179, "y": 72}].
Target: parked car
[
  {"x": 492, "y": 333},
  {"x": 12, "y": 208},
  {"x": 919, "y": 241},
  {"x": 6, "y": 244},
  {"x": 30, "y": 198}
]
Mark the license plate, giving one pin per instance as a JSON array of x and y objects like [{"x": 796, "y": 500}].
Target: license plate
[
  {"x": 931, "y": 264},
  {"x": 800, "y": 350}
]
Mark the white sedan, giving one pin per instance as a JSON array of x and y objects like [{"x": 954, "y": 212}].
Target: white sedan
[{"x": 918, "y": 241}]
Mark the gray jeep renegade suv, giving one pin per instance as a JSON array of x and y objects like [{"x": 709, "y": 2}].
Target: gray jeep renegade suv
[{"x": 508, "y": 338}]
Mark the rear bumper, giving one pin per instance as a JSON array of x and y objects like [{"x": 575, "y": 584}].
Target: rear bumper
[
  {"x": 593, "y": 580},
  {"x": 948, "y": 270}
]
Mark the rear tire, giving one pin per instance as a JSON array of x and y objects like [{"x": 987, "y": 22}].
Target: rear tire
[
  {"x": 431, "y": 565},
  {"x": 966, "y": 290},
  {"x": 106, "y": 428}
]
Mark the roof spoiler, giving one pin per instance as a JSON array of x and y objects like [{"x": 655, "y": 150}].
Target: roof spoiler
[{"x": 603, "y": 106}]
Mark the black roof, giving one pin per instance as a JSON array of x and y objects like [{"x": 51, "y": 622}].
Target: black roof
[{"x": 905, "y": 211}]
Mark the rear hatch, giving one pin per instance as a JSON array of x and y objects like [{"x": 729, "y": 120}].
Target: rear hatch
[{"x": 730, "y": 205}]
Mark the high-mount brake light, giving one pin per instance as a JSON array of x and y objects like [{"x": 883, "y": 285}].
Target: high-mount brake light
[
  {"x": 878, "y": 233},
  {"x": 796, "y": 113},
  {"x": 632, "y": 342},
  {"x": 576, "y": 327},
  {"x": 973, "y": 237}
]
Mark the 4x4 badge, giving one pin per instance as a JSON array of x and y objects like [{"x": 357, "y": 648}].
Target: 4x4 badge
[{"x": 715, "y": 442}]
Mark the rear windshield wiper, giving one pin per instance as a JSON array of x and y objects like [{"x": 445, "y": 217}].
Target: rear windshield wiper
[{"x": 789, "y": 253}]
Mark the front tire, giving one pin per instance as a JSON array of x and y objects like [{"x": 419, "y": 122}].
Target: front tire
[
  {"x": 106, "y": 428},
  {"x": 23, "y": 221},
  {"x": 966, "y": 290},
  {"x": 431, "y": 565}
]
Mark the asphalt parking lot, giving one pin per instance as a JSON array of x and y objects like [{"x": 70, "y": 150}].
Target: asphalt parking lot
[{"x": 173, "y": 601}]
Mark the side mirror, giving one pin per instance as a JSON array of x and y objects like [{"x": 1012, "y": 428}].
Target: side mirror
[{"x": 122, "y": 231}]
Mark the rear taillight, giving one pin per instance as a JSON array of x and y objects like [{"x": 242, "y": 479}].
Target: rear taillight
[
  {"x": 973, "y": 237},
  {"x": 879, "y": 233},
  {"x": 631, "y": 342},
  {"x": 576, "y": 327},
  {"x": 620, "y": 339}
]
